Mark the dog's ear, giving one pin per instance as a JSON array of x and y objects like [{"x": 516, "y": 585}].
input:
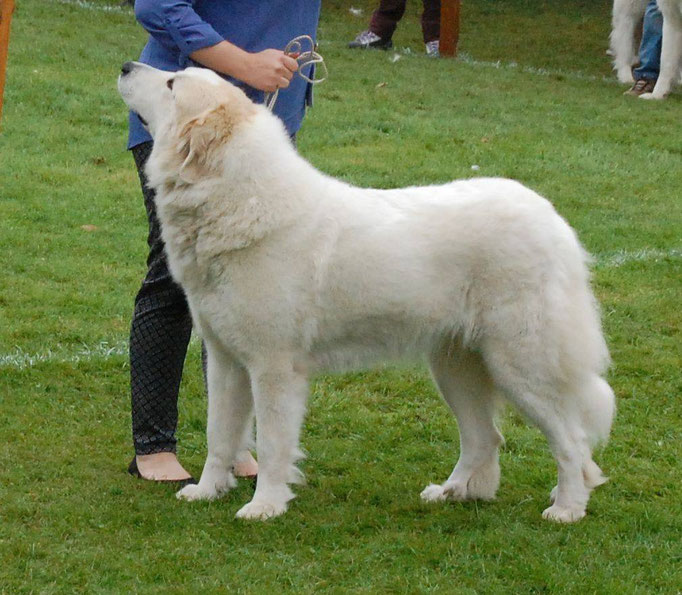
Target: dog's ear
[{"x": 199, "y": 141}]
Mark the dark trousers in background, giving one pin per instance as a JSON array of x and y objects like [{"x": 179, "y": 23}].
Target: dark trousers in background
[{"x": 385, "y": 18}]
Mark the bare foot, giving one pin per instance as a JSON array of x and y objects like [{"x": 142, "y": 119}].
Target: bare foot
[
  {"x": 161, "y": 466},
  {"x": 245, "y": 465}
]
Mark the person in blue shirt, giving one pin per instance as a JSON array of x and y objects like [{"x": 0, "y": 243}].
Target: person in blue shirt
[{"x": 244, "y": 42}]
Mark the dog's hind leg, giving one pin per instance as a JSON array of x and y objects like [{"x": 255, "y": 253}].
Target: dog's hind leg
[
  {"x": 671, "y": 52},
  {"x": 468, "y": 389},
  {"x": 627, "y": 15},
  {"x": 230, "y": 417},
  {"x": 557, "y": 408},
  {"x": 280, "y": 391}
]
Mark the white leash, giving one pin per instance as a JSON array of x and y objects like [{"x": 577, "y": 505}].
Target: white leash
[{"x": 304, "y": 59}]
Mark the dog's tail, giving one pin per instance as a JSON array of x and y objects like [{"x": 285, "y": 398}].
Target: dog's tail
[
  {"x": 584, "y": 355},
  {"x": 589, "y": 361},
  {"x": 598, "y": 409}
]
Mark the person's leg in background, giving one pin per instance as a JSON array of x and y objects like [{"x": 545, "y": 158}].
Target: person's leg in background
[
  {"x": 382, "y": 25},
  {"x": 431, "y": 27},
  {"x": 386, "y": 17},
  {"x": 646, "y": 73}
]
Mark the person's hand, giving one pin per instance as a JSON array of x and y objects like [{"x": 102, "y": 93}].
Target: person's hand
[{"x": 269, "y": 70}]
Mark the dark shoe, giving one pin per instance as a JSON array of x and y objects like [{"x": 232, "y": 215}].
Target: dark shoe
[
  {"x": 367, "y": 39},
  {"x": 641, "y": 86},
  {"x": 178, "y": 483}
]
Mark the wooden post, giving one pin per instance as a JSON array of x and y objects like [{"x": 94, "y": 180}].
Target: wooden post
[
  {"x": 6, "y": 10},
  {"x": 449, "y": 27}
]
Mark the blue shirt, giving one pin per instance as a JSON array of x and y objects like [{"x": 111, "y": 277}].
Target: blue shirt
[{"x": 178, "y": 28}]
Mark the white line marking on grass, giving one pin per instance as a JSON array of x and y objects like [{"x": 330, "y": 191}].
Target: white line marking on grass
[
  {"x": 465, "y": 58},
  {"x": 623, "y": 257},
  {"x": 20, "y": 360},
  {"x": 569, "y": 74},
  {"x": 96, "y": 7}
]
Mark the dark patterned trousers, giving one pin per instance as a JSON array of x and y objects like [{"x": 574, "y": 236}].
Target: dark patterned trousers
[
  {"x": 385, "y": 18},
  {"x": 159, "y": 336}
]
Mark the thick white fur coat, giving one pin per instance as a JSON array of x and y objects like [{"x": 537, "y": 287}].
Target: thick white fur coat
[{"x": 289, "y": 271}]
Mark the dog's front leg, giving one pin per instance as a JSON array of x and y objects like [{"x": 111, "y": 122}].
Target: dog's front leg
[
  {"x": 627, "y": 14},
  {"x": 280, "y": 392},
  {"x": 230, "y": 418},
  {"x": 671, "y": 52}
]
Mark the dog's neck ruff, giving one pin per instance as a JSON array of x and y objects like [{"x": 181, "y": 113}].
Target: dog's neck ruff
[{"x": 304, "y": 59}]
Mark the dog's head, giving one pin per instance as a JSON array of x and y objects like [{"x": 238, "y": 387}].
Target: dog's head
[{"x": 191, "y": 112}]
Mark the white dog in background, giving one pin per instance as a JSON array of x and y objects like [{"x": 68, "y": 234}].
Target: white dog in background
[
  {"x": 288, "y": 271},
  {"x": 626, "y": 16}
]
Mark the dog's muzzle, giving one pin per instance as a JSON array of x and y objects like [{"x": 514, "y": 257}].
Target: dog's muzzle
[{"x": 126, "y": 69}]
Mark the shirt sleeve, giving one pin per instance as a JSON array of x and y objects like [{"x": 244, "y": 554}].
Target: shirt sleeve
[{"x": 175, "y": 25}]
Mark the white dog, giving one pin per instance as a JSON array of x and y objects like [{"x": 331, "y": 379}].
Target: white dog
[
  {"x": 626, "y": 16},
  {"x": 288, "y": 271}
]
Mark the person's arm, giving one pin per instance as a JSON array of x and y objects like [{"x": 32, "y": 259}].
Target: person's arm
[
  {"x": 175, "y": 24},
  {"x": 267, "y": 70}
]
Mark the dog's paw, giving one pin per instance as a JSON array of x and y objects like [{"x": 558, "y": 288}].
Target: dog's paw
[
  {"x": 625, "y": 76},
  {"x": 477, "y": 487},
  {"x": 651, "y": 96},
  {"x": 450, "y": 490},
  {"x": 561, "y": 514},
  {"x": 456, "y": 490},
  {"x": 194, "y": 492},
  {"x": 433, "y": 493},
  {"x": 260, "y": 511}
]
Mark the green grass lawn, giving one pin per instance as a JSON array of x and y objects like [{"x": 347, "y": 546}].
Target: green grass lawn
[{"x": 532, "y": 97}]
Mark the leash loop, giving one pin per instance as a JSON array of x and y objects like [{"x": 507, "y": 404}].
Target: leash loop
[{"x": 305, "y": 58}]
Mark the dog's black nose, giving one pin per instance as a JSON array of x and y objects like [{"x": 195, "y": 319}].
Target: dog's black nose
[{"x": 127, "y": 67}]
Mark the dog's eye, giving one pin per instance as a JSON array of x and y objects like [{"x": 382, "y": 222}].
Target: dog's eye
[{"x": 169, "y": 84}]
